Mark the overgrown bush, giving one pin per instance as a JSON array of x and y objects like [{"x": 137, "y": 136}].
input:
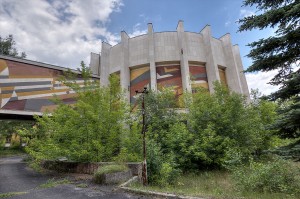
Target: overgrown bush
[
  {"x": 225, "y": 127},
  {"x": 277, "y": 175},
  {"x": 15, "y": 142},
  {"x": 10, "y": 129},
  {"x": 131, "y": 144},
  {"x": 161, "y": 168},
  {"x": 88, "y": 131},
  {"x": 2, "y": 142}
]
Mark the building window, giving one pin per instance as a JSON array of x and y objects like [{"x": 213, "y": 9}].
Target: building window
[{"x": 222, "y": 73}]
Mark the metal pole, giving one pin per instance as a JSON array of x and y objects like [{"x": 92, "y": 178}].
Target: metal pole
[{"x": 144, "y": 168}]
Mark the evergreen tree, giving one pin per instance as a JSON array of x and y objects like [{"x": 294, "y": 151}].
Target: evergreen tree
[
  {"x": 280, "y": 52},
  {"x": 7, "y": 47}
]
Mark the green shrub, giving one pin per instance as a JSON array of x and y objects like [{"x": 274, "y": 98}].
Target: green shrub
[
  {"x": 161, "y": 168},
  {"x": 226, "y": 129},
  {"x": 279, "y": 176},
  {"x": 15, "y": 142},
  {"x": 99, "y": 175},
  {"x": 131, "y": 144}
]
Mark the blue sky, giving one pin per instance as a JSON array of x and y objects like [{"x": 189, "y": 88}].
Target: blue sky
[
  {"x": 222, "y": 15},
  {"x": 64, "y": 32}
]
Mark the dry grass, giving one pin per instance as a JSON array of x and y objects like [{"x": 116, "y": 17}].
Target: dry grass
[{"x": 211, "y": 184}]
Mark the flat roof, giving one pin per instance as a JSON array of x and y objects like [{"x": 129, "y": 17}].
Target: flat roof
[{"x": 18, "y": 115}]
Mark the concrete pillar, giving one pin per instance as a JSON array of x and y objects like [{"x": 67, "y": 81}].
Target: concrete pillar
[
  {"x": 125, "y": 71},
  {"x": 211, "y": 65},
  {"x": 239, "y": 64},
  {"x": 184, "y": 64},
  {"x": 232, "y": 74},
  {"x": 153, "y": 82},
  {"x": 104, "y": 64},
  {"x": 95, "y": 63}
]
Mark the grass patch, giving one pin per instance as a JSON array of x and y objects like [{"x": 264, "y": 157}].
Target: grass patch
[
  {"x": 113, "y": 168},
  {"x": 99, "y": 176},
  {"x": 11, "y": 152},
  {"x": 211, "y": 184},
  {"x": 11, "y": 194},
  {"x": 82, "y": 185},
  {"x": 53, "y": 183}
]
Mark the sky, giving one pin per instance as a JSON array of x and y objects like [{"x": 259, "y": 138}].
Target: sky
[{"x": 65, "y": 32}]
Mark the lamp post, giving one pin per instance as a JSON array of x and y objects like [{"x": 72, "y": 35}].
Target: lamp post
[{"x": 144, "y": 169}]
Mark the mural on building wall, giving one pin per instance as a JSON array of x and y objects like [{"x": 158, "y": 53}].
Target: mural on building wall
[
  {"x": 198, "y": 77},
  {"x": 26, "y": 87},
  {"x": 139, "y": 78},
  {"x": 169, "y": 77}
]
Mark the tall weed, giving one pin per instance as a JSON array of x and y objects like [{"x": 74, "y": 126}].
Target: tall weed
[{"x": 278, "y": 176}]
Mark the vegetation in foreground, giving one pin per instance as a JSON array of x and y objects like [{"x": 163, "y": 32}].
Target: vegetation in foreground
[
  {"x": 53, "y": 183},
  {"x": 261, "y": 181},
  {"x": 222, "y": 138},
  {"x": 11, "y": 152},
  {"x": 99, "y": 176},
  {"x": 221, "y": 131},
  {"x": 11, "y": 194},
  {"x": 111, "y": 169}
]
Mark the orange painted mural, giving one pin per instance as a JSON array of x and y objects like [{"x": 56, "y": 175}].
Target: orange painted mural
[
  {"x": 139, "y": 78},
  {"x": 198, "y": 77},
  {"x": 26, "y": 87},
  {"x": 169, "y": 77}
]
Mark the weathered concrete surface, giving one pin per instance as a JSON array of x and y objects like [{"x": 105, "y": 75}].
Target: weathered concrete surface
[
  {"x": 88, "y": 168},
  {"x": 173, "y": 46},
  {"x": 115, "y": 178},
  {"x": 16, "y": 177}
]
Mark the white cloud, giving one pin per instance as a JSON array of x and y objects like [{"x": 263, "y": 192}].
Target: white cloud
[
  {"x": 137, "y": 30},
  {"x": 246, "y": 13},
  {"x": 260, "y": 81},
  {"x": 58, "y": 32}
]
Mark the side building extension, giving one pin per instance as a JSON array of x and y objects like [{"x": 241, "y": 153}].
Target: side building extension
[
  {"x": 27, "y": 87},
  {"x": 181, "y": 60}
]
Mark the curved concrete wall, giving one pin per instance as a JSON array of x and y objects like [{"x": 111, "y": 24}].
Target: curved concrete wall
[{"x": 169, "y": 49}]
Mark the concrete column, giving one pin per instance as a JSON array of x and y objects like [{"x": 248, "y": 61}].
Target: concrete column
[
  {"x": 95, "y": 63},
  {"x": 184, "y": 64},
  {"x": 211, "y": 65},
  {"x": 153, "y": 82},
  {"x": 104, "y": 64},
  {"x": 239, "y": 64},
  {"x": 232, "y": 74},
  {"x": 125, "y": 71}
]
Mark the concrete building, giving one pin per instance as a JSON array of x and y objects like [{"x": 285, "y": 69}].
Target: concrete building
[{"x": 179, "y": 59}]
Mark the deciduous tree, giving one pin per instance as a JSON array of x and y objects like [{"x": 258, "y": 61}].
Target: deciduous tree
[{"x": 7, "y": 47}]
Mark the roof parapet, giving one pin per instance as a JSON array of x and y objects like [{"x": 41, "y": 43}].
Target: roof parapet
[
  {"x": 124, "y": 35},
  {"x": 180, "y": 27},
  {"x": 150, "y": 28}
]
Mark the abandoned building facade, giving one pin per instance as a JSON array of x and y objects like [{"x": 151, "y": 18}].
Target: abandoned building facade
[{"x": 181, "y": 60}]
